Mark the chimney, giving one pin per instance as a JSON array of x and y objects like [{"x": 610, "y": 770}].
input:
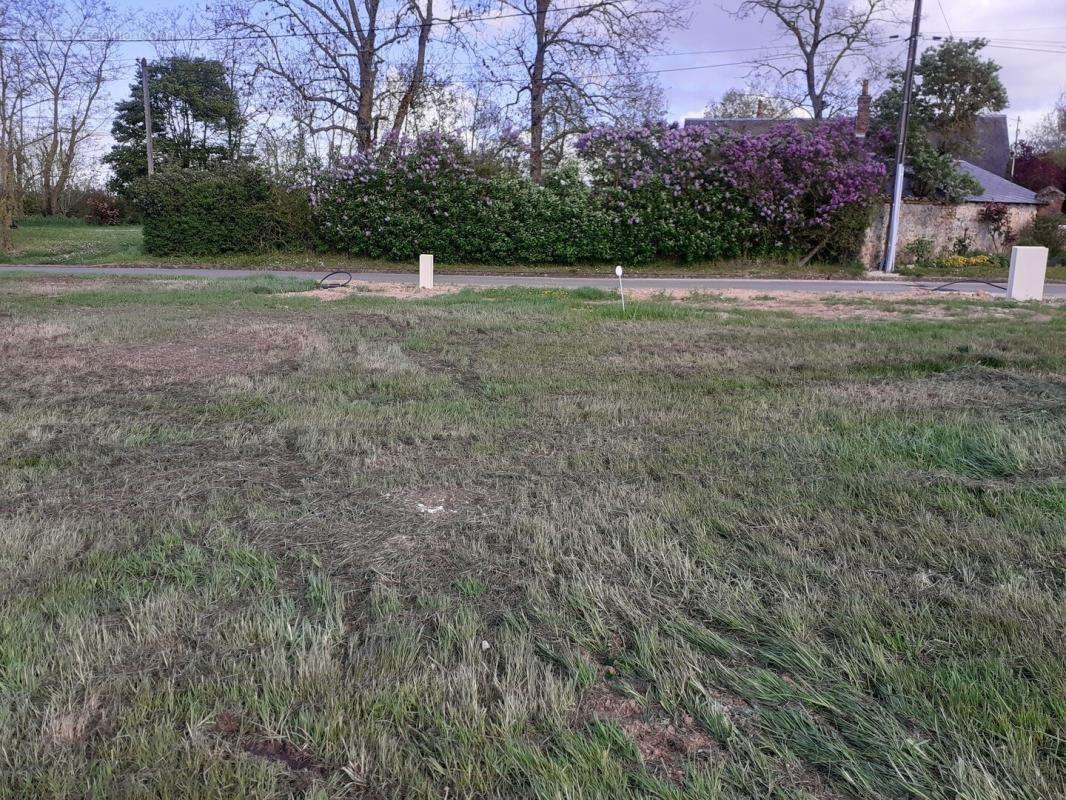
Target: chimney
[
  {"x": 862, "y": 116},
  {"x": 759, "y": 109}
]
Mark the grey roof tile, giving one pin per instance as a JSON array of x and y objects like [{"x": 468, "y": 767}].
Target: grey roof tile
[{"x": 995, "y": 188}]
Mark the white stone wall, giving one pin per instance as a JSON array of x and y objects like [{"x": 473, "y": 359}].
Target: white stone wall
[{"x": 941, "y": 223}]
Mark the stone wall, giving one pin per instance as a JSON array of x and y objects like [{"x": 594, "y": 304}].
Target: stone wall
[{"x": 938, "y": 222}]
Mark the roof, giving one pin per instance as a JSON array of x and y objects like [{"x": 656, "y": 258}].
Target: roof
[
  {"x": 751, "y": 125},
  {"x": 995, "y": 188}
]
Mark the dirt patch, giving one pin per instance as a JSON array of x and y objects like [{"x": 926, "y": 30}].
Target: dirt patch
[
  {"x": 54, "y": 286},
  {"x": 298, "y": 760},
  {"x": 919, "y": 303},
  {"x": 72, "y": 728},
  {"x": 665, "y": 742},
  {"x": 402, "y": 291},
  {"x": 200, "y": 353},
  {"x": 14, "y": 334}
]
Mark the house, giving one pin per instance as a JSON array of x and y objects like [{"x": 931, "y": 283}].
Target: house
[{"x": 946, "y": 225}]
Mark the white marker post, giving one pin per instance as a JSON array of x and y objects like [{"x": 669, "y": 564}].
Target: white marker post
[
  {"x": 1028, "y": 267},
  {"x": 618, "y": 272},
  {"x": 425, "y": 271}
]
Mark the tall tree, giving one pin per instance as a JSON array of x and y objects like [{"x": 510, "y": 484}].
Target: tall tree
[
  {"x": 70, "y": 48},
  {"x": 575, "y": 64},
  {"x": 1049, "y": 135},
  {"x": 953, "y": 84},
  {"x": 16, "y": 88},
  {"x": 195, "y": 120},
  {"x": 357, "y": 66},
  {"x": 823, "y": 42}
]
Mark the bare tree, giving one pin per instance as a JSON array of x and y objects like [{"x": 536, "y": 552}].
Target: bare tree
[
  {"x": 751, "y": 102},
  {"x": 575, "y": 63},
  {"x": 13, "y": 92},
  {"x": 828, "y": 35},
  {"x": 18, "y": 96},
  {"x": 70, "y": 49},
  {"x": 358, "y": 66}
]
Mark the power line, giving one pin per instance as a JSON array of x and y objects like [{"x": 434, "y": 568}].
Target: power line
[
  {"x": 289, "y": 35},
  {"x": 944, "y": 14}
]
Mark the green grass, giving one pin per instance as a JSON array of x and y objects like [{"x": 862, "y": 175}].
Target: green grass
[
  {"x": 517, "y": 544},
  {"x": 71, "y": 242}
]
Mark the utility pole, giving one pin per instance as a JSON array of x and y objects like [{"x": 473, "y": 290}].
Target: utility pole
[
  {"x": 901, "y": 144},
  {"x": 147, "y": 116}
]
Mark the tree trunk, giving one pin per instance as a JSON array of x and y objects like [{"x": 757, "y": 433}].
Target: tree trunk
[
  {"x": 417, "y": 76},
  {"x": 364, "y": 118},
  {"x": 537, "y": 90}
]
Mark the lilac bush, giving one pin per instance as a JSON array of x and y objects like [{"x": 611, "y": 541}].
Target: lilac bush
[
  {"x": 637, "y": 194},
  {"x": 803, "y": 183}
]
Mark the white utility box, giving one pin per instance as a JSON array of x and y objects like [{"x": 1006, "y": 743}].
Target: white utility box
[{"x": 1028, "y": 267}]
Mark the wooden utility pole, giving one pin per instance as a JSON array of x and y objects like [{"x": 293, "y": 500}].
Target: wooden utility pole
[
  {"x": 147, "y": 116},
  {"x": 901, "y": 144}
]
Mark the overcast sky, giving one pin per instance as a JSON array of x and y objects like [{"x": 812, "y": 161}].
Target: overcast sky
[
  {"x": 1033, "y": 80},
  {"x": 1016, "y": 27}
]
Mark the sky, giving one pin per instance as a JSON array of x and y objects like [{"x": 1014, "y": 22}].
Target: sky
[
  {"x": 1016, "y": 28},
  {"x": 1033, "y": 80}
]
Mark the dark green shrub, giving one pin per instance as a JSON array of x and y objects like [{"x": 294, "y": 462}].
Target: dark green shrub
[
  {"x": 436, "y": 198},
  {"x": 206, "y": 214},
  {"x": 1046, "y": 230}
]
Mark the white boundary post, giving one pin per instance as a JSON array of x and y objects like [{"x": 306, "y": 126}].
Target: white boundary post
[
  {"x": 425, "y": 271},
  {"x": 1028, "y": 267}
]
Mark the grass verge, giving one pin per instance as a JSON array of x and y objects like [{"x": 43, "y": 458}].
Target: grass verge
[
  {"x": 71, "y": 242},
  {"x": 517, "y": 544}
]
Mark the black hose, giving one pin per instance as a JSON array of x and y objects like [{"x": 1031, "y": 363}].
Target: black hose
[
  {"x": 944, "y": 286},
  {"x": 345, "y": 281}
]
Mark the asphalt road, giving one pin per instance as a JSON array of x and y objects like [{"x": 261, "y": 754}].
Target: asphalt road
[{"x": 883, "y": 286}]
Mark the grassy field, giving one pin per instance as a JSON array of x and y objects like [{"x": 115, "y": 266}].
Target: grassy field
[
  {"x": 518, "y": 544},
  {"x": 40, "y": 241}
]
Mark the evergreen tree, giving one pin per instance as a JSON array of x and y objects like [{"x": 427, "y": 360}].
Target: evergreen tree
[{"x": 196, "y": 121}]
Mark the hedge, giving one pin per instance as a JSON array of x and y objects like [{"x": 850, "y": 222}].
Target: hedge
[
  {"x": 207, "y": 214},
  {"x": 634, "y": 195},
  {"x": 651, "y": 192},
  {"x": 437, "y": 198}
]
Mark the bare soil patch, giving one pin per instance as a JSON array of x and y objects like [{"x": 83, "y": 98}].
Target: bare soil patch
[
  {"x": 54, "y": 286},
  {"x": 13, "y": 334},
  {"x": 919, "y": 303},
  {"x": 665, "y": 742},
  {"x": 199, "y": 354},
  {"x": 401, "y": 291}
]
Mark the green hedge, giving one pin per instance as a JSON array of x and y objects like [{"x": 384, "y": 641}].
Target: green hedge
[
  {"x": 438, "y": 198},
  {"x": 207, "y": 214}
]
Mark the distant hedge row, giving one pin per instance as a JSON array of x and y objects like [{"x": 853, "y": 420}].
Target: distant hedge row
[
  {"x": 207, "y": 214},
  {"x": 633, "y": 195}
]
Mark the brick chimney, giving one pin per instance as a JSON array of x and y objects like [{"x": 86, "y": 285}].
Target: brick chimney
[{"x": 862, "y": 116}]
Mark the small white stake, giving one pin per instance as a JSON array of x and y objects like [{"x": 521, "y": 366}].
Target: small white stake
[
  {"x": 425, "y": 271},
  {"x": 618, "y": 272}
]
